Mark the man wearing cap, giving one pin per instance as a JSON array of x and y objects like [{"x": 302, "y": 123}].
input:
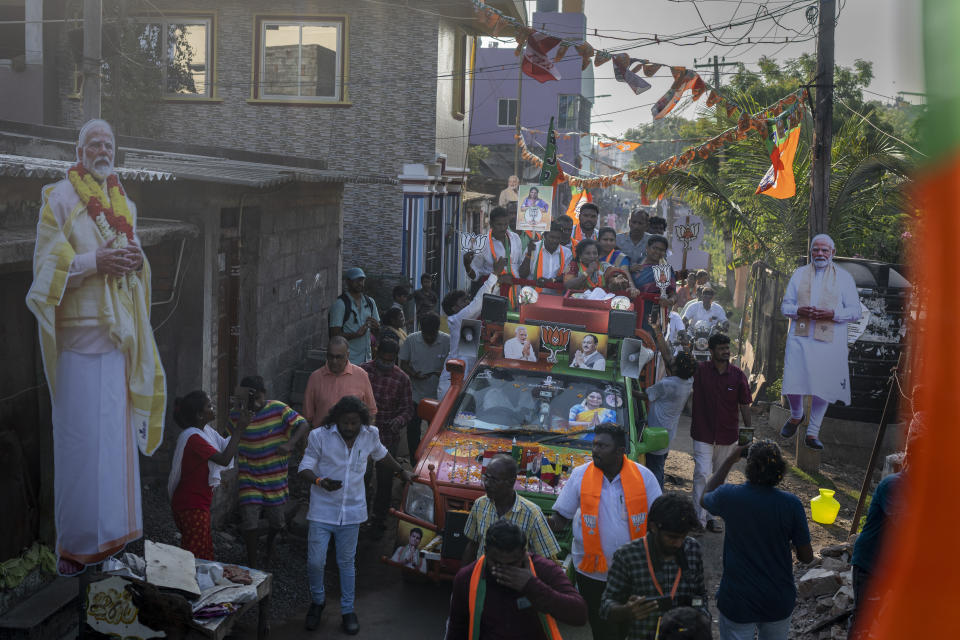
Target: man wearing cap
[
  {"x": 705, "y": 309},
  {"x": 354, "y": 315}
]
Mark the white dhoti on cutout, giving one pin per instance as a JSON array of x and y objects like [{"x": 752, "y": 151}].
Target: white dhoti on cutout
[{"x": 96, "y": 464}]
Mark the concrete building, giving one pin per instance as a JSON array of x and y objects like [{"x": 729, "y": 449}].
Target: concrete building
[
  {"x": 568, "y": 100},
  {"x": 366, "y": 87}
]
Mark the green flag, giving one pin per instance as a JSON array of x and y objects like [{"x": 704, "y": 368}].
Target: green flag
[{"x": 550, "y": 172}]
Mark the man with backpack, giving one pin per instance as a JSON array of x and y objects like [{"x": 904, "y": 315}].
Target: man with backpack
[{"x": 354, "y": 315}]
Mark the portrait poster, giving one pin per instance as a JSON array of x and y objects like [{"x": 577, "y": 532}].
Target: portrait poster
[
  {"x": 521, "y": 341},
  {"x": 588, "y": 350},
  {"x": 413, "y": 540},
  {"x": 533, "y": 208}
]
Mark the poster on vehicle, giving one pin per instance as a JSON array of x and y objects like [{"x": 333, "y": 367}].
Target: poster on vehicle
[
  {"x": 409, "y": 554},
  {"x": 533, "y": 208},
  {"x": 521, "y": 341},
  {"x": 588, "y": 351}
]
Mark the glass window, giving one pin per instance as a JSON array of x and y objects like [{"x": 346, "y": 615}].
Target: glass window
[
  {"x": 183, "y": 47},
  {"x": 301, "y": 60},
  {"x": 544, "y": 407},
  {"x": 569, "y": 109},
  {"x": 507, "y": 112}
]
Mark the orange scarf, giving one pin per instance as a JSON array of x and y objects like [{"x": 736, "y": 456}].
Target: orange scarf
[
  {"x": 563, "y": 263},
  {"x": 577, "y": 236},
  {"x": 514, "y": 295},
  {"x": 478, "y": 593},
  {"x": 635, "y": 493}
]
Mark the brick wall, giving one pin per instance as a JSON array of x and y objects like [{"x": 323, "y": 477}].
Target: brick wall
[{"x": 392, "y": 119}]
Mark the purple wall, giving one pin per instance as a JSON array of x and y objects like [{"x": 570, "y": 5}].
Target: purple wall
[{"x": 496, "y": 78}]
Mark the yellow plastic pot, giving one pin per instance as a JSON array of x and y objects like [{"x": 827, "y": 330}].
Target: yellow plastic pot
[{"x": 824, "y": 508}]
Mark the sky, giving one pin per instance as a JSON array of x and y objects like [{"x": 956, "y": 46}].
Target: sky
[{"x": 886, "y": 32}]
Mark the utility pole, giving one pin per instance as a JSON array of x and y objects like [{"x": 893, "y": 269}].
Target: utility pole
[
  {"x": 92, "y": 20},
  {"x": 716, "y": 64},
  {"x": 516, "y": 147},
  {"x": 730, "y": 274},
  {"x": 819, "y": 220}
]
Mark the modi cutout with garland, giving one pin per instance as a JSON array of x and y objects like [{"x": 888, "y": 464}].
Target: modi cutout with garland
[
  {"x": 91, "y": 297},
  {"x": 820, "y": 300}
]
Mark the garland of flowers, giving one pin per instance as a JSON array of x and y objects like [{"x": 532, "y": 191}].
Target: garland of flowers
[{"x": 114, "y": 222}]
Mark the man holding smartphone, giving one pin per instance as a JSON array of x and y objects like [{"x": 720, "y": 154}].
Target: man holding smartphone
[{"x": 662, "y": 570}]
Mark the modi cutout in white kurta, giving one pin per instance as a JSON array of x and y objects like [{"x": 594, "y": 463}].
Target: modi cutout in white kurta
[{"x": 815, "y": 364}]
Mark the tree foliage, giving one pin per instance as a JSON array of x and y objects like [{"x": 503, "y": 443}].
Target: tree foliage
[{"x": 870, "y": 170}]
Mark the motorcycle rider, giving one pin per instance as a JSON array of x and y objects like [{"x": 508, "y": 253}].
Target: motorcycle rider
[{"x": 704, "y": 309}]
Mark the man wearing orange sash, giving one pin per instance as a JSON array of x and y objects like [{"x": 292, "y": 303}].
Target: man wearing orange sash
[
  {"x": 546, "y": 260},
  {"x": 501, "y": 243},
  {"x": 510, "y": 594},
  {"x": 663, "y": 564},
  {"x": 614, "y": 495},
  {"x": 586, "y": 227},
  {"x": 91, "y": 297}
]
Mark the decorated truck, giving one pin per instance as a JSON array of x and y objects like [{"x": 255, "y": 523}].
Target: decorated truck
[{"x": 545, "y": 376}]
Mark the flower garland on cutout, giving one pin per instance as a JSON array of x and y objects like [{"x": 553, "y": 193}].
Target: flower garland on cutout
[{"x": 114, "y": 222}]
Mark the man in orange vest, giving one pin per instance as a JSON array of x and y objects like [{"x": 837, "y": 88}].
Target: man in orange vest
[
  {"x": 510, "y": 594},
  {"x": 662, "y": 570},
  {"x": 614, "y": 495}
]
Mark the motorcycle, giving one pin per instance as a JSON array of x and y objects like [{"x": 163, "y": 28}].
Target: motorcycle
[{"x": 700, "y": 337}]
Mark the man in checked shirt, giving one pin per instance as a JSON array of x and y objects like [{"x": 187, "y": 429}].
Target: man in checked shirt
[
  {"x": 657, "y": 572},
  {"x": 392, "y": 391}
]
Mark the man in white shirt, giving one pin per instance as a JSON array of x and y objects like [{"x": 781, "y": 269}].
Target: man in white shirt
[
  {"x": 459, "y": 307},
  {"x": 334, "y": 464},
  {"x": 500, "y": 243},
  {"x": 587, "y": 356},
  {"x": 611, "y": 520},
  {"x": 546, "y": 261},
  {"x": 519, "y": 346},
  {"x": 705, "y": 309}
]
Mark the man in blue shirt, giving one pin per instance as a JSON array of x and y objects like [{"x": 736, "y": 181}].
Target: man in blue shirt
[{"x": 757, "y": 592}]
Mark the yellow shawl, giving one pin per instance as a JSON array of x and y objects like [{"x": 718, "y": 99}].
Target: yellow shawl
[{"x": 123, "y": 308}]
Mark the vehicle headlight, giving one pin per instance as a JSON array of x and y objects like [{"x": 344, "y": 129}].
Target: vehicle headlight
[{"x": 419, "y": 502}]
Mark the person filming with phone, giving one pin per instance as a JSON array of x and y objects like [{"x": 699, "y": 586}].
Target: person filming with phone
[{"x": 663, "y": 569}]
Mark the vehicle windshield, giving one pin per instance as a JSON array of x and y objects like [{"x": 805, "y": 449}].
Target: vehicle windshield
[{"x": 543, "y": 406}]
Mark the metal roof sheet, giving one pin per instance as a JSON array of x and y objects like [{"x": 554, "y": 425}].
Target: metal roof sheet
[
  {"x": 250, "y": 174},
  {"x": 31, "y": 167}
]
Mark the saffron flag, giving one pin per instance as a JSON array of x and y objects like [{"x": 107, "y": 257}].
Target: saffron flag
[
  {"x": 535, "y": 63},
  {"x": 683, "y": 79},
  {"x": 578, "y": 198},
  {"x": 550, "y": 171},
  {"x": 778, "y": 182}
]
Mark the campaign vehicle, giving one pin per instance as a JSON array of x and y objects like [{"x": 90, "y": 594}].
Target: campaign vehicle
[{"x": 545, "y": 376}]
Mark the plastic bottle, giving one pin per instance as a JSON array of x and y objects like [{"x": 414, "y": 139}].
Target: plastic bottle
[{"x": 824, "y": 508}]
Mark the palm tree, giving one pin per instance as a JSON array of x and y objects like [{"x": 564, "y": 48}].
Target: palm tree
[{"x": 870, "y": 173}]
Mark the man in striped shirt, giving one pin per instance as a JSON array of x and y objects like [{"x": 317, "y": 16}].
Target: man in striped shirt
[{"x": 262, "y": 461}]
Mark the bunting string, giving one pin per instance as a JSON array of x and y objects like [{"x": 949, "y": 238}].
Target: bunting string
[{"x": 790, "y": 107}]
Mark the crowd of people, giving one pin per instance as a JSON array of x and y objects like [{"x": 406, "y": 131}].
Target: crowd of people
[{"x": 637, "y": 566}]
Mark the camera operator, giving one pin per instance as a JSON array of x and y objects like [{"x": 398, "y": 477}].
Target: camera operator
[{"x": 657, "y": 572}]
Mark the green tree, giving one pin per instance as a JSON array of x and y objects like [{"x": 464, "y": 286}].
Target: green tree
[{"x": 867, "y": 193}]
